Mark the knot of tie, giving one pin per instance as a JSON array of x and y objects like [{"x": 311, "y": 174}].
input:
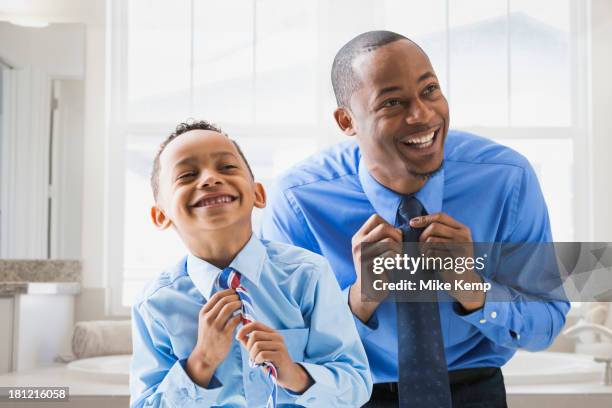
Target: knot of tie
[{"x": 409, "y": 208}]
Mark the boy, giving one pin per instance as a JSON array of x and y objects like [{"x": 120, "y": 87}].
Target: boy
[{"x": 296, "y": 342}]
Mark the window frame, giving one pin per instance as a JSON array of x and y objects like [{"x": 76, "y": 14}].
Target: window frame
[{"x": 119, "y": 128}]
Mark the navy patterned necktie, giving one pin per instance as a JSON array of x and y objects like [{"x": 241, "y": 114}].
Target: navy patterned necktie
[{"x": 423, "y": 373}]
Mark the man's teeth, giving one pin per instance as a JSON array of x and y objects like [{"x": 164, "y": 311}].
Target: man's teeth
[
  {"x": 217, "y": 200},
  {"x": 422, "y": 139}
]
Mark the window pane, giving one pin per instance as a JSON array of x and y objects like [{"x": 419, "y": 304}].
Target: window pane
[
  {"x": 223, "y": 62},
  {"x": 159, "y": 42},
  {"x": 286, "y": 62},
  {"x": 478, "y": 63},
  {"x": 147, "y": 251},
  {"x": 425, "y": 23},
  {"x": 540, "y": 63}
]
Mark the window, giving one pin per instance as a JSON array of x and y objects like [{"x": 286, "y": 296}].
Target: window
[{"x": 513, "y": 70}]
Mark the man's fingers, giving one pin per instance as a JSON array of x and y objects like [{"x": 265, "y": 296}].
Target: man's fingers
[
  {"x": 369, "y": 225},
  {"x": 443, "y": 218},
  {"x": 383, "y": 231},
  {"x": 215, "y": 298},
  {"x": 439, "y": 231}
]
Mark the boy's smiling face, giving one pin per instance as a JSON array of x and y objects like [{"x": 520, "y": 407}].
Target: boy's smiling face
[{"x": 205, "y": 185}]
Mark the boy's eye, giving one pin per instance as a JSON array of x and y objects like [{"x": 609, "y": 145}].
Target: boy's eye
[
  {"x": 228, "y": 167},
  {"x": 185, "y": 175}
]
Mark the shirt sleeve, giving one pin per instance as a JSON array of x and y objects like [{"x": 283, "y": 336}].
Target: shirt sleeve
[
  {"x": 157, "y": 377},
  {"x": 284, "y": 222},
  {"x": 334, "y": 355},
  {"x": 511, "y": 316}
]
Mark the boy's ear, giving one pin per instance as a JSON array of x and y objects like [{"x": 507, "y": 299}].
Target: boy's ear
[
  {"x": 260, "y": 195},
  {"x": 159, "y": 218},
  {"x": 345, "y": 121}
]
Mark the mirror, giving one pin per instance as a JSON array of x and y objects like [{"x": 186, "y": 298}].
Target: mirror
[{"x": 41, "y": 121}]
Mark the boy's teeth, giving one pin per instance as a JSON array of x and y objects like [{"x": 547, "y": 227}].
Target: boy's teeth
[
  {"x": 217, "y": 200},
  {"x": 422, "y": 139}
]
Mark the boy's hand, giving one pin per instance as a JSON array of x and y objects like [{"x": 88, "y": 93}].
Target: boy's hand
[
  {"x": 266, "y": 344},
  {"x": 215, "y": 335}
]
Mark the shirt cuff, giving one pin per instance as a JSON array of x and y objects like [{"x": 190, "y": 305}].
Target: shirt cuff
[
  {"x": 493, "y": 318},
  {"x": 179, "y": 388},
  {"x": 363, "y": 329},
  {"x": 323, "y": 388},
  {"x": 495, "y": 310}
]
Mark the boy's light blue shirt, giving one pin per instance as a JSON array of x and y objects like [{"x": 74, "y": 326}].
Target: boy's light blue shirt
[{"x": 293, "y": 291}]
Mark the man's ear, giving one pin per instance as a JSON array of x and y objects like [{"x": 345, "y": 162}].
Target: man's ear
[
  {"x": 260, "y": 195},
  {"x": 159, "y": 218},
  {"x": 345, "y": 121}
]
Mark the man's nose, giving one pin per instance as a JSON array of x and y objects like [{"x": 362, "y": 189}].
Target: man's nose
[{"x": 419, "y": 112}]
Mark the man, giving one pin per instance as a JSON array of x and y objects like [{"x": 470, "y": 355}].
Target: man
[{"x": 404, "y": 174}]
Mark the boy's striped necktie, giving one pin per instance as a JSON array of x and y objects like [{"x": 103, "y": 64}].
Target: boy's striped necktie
[{"x": 230, "y": 279}]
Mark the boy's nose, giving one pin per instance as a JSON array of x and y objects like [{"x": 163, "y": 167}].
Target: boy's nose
[{"x": 209, "y": 180}]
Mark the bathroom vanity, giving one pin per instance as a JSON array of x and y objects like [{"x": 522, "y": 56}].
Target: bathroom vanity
[{"x": 36, "y": 311}]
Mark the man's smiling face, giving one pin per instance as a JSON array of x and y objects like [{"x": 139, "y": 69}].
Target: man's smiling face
[
  {"x": 204, "y": 185},
  {"x": 399, "y": 115}
]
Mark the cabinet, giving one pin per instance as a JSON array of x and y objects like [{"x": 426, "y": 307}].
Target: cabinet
[{"x": 6, "y": 333}]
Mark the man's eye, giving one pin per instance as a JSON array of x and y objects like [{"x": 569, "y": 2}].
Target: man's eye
[
  {"x": 431, "y": 89},
  {"x": 391, "y": 102},
  {"x": 228, "y": 167}
]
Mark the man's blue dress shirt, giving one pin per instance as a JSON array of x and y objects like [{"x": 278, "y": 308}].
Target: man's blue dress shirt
[
  {"x": 321, "y": 203},
  {"x": 293, "y": 291}
]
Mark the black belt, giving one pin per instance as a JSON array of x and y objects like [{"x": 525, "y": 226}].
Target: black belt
[{"x": 465, "y": 376}]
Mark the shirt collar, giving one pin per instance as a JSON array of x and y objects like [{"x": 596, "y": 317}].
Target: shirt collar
[
  {"x": 248, "y": 262},
  {"x": 386, "y": 201}
]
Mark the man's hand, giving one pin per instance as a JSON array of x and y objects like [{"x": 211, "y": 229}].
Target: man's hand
[
  {"x": 374, "y": 230},
  {"x": 215, "y": 335},
  {"x": 442, "y": 228},
  {"x": 266, "y": 344}
]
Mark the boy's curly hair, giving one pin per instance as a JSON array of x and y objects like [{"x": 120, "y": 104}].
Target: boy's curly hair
[{"x": 181, "y": 128}]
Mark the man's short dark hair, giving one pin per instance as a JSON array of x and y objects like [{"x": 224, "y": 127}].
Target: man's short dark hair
[
  {"x": 343, "y": 77},
  {"x": 181, "y": 128}
]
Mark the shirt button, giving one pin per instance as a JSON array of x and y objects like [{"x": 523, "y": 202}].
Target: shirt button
[
  {"x": 483, "y": 321},
  {"x": 518, "y": 336},
  {"x": 493, "y": 315},
  {"x": 252, "y": 375}
]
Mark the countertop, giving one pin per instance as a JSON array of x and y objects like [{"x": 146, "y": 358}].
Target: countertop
[{"x": 44, "y": 276}]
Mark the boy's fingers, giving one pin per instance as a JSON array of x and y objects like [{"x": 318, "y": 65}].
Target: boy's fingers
[
  {"x": 264, "y": 356},
  {"x": 262, "y": 346},
  {"x": 215, "y": 298},
  {"x": 212, "y": 314},
  {"x": 232, "y": 323},
  {"x": 257, "y": 336},
  {"x": 248, "y": 328},
  {"x": 226, "y": 313}
]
